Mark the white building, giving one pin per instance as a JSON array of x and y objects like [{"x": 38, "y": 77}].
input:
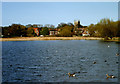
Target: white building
[{"x": 85, "y": 33}]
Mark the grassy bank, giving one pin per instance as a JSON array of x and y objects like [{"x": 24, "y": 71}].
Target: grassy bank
[
  {"x": 49, "y": 38},
  {"x": 53, "y": 38}
]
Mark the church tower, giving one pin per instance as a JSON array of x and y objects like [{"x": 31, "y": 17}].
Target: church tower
[{"x": 76, "y": 25}]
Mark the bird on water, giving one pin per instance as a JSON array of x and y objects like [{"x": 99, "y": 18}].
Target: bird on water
[
  {"x": 71, "y": 75},
  {"x": 117, "y": 54},
  {"x": 94, "y": 62},
  {"x": 110, "y": 76}
]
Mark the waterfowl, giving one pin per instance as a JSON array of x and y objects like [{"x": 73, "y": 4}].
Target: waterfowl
[
  {"x": 108, "y": 46},
  {"x": 110, "y": 76},
  {"x": 94, "y": 62},
  {"x": 105, "y": 61},
  {"x": 76, "y": 72},
  {"x": 71, "y": 75},
  {"x": 39, "y": 75},
  {"x": 10, "y": 65},
  {"x": 117, "y": 54}
]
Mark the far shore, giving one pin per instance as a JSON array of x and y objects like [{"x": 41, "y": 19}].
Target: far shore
[{"x": 52, "y": 38}]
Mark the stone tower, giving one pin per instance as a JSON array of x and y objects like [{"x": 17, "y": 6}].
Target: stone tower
[{"x": 77, "y": 23}]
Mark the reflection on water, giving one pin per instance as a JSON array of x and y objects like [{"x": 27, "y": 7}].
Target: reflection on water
[{"x": 50, "y": 61}]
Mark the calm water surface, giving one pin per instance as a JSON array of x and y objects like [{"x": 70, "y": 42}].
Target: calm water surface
[{"x": 50, "y": 61}]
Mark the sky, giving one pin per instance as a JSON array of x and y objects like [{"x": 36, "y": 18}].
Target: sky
[{"x": 57, "y": 12}]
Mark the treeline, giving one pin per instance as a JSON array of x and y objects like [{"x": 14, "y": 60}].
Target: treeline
[
  {"x": 14, "y": 30},
  {"x": 106, "y": 28},
  {"x": 65, "y": 30},
  {"x": 18, "y": 30}
]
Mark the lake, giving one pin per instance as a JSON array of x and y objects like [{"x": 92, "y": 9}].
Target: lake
[{"x": 51, "y": 61}]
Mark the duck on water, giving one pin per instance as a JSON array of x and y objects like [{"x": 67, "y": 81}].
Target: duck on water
[
  {"x": 110, "y": 76},
  {"x": 71, "y": 75}
]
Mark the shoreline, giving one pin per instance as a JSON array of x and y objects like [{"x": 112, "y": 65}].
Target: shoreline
[{"x": 51, "y": 38}]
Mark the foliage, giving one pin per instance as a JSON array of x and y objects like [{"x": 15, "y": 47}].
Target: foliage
[
  {"x": 61, "y": 25},
  {"x": 64, "y": 24},
  {"x": 105, "y": 28},
  {"x": 30, "y": 32},
  {"x": 15, "y": 30},
  {"x": 5, "y": 31},
  {"x": 91, "y": 29},
  {"x": 118, "y": 28},
  {"x": 66, "y": 31},
  {"x": 45, "y": 31}
]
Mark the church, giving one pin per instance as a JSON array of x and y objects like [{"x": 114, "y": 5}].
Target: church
[{"x": 79, "y": 29}]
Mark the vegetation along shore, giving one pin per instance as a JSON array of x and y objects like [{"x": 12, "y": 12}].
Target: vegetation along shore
[
  {"x": 106, "y": 29},
  {"x": 54, "y": 38}
]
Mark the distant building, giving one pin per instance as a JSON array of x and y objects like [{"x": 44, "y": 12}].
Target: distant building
[
  {"x": 78, "y": 28},
  {"x": 85, "y": 33},
  {"x": 77, "y": 24},
  {"x": 53, "y": 31}
]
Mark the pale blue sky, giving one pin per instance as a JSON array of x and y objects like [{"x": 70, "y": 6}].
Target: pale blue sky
[{"x": 56, "y": 12}]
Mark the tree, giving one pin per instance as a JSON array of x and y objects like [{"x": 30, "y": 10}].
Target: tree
[
  {"x": 44, "y": 31},
  {"x": 17, "y": 30},
  {"x": 47, "y": 25},
  {"x": 39, "y": 25},
  {"x": 118, "y": 28},
  {"x": 35, "y": 25},
  {"x": 61, "y": 25},
  {"x": 30, "y": 32},
  {"x": 70, "y": 24},
  {"x": 21, "y": 30},
  {"x": 5, "y": 31},
  {"x": 106, "y": 28},
  {"x": 52, "y": 26},
  {"x": 66, "y": 31},
  {"x": 91, "y": 30}
]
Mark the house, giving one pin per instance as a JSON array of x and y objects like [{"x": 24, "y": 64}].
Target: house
[
  {"x": 53, "y": 31},
  {"x": 85, "y": 33},
  {"x": 78, "y": 28}
]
